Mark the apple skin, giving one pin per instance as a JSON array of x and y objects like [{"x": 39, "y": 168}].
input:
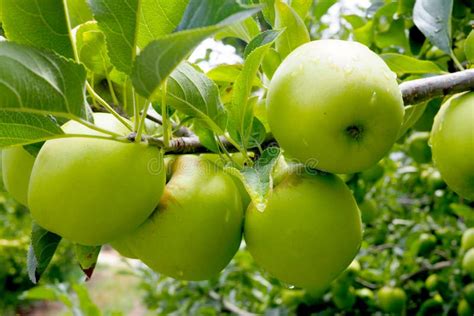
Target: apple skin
[
  {"x": 197, "y": 226},
  {"x": 92, "y": 191},
  {"x": 309, "y": 232},
  {"x": 16, "y": 168},
  {"x": 392, "y": 300},
  {"x": 452, "y": 143},
  {"x": 335, "y": 106}
]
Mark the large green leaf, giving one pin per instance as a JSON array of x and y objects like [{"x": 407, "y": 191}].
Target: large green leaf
[
  {"x": 241, "y": 125},
  {"x": 469, "y": 47},
  {"x": 433, "y": 18},
  {"x": 118, "y": 20},
  {"x": 301, "y": 7},
  {"x": 405, "y": 64},
  {"x": 37, "y": 23},
  {"x": 42, "y": 249},
  {"x": 158, "y": 18},
  {"x": 79, "y": 12},
  {"x": 33, "y": 80},
  {"x": 17, "y": 128},
  {"x": 295, "y": 33},
  {"x": 156, "y": 62}
]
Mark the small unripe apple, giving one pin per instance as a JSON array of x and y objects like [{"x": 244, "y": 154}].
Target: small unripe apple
[
  {"x": 16, "y": 168},
  {"x": 309, "y": 232},
  {"x": 452, "y": 141},
  {"x": 197, "y": 226},
  {"x": 467, "y": 241},
  {"x": 392, "y": 299},
  {"x": 418, "y": 147},
  {"x": 92, "y": 191},
  {"x": 335, "y": 105}
]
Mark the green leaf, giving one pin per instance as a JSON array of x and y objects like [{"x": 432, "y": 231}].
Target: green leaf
[
  {"x": 433, "y": 19},
  {"x": 268, "y": 11},
  {"x": 405, "y": 64},
  {"x": 39, "y": 24},
  {"x": 43, "y": 293},
  {"x": 395, "y": 36},
  {"x": 79, "y": 12},
  {"x": 365, "y": 34},
  {"x": 192, "y": 93},
  {"x": 156, "y": 62},
  {"x": 86, "y": 304},
  {"x": 295, "y": 33},
  {"x": 128, "y": 24},
  {"x": 158, "y": 18},
  {"x": 87, "y": 257},
  {"x": 245, "y": 30},
  {"x": 42, "y": 248},
  {"x": 469, "y": 47},
  {"x": 241, "y": 124},
  {"x": 301, "y": 7},
  {"x": 411, "y": 116},
  {"x": 258, "y": 180},
  {"x": 118, "y": 20},
  {"x": 18, "y": 128},
  {"x": 33, "y": 80},
  {"x": 92, "y": 49},
  {"x": 321, "y": 7}
]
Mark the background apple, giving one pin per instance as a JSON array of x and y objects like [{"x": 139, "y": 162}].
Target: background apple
[
  {"x": 16, "y": 167},
  {"x": 309, "y": 232},
  {"x": 335, "y": 105},
  {"x": 452, "y": 141},
  {"x": 197, "y": 227},
  {"x": 391, "y": 300},
  {"x": 91, "y": 191}
]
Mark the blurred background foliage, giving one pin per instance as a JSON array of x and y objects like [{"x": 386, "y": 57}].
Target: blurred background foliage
[{"x": 413, "y": 223}]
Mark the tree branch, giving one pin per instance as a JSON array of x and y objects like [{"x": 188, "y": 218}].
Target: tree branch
[
  {"x": 416, "y": 91},
  {"x": 413, "y": 92}
]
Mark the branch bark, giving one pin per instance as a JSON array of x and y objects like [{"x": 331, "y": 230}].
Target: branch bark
[{"x": 413, "y": 92}]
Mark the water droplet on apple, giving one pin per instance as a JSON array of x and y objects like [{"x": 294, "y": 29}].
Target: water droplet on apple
[
  {"x": 260, "y": 206},
  {"x": 373, "y": 99}
]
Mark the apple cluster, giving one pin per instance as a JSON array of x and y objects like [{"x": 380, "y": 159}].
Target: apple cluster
[{"x": 333, "y": 106}]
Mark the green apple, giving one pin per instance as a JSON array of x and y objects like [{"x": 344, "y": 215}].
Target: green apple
[
  {"x": 468, "y": 263},
  {"x": 309, "y": 232},
  {"x": 92, "y": 191},
  {"x": 468, "y": 293},
  {"x": 464, "y": 309},
  {"x": 369, "y": 211},
  {"x": 373, "y": 174},
  {"x": 467, "y": 240},
  {"x": 391, "y": 299},
  {"x": 197, "y": 226},
  {"x": 425, "y": 244},
  {"x": 16, "y": 168},
  {"x": 432, "y": 282},
  {"x": 452, "y": 141},
  {"x": 418, "y": 147},
  {"x": 335, "y": 106}
]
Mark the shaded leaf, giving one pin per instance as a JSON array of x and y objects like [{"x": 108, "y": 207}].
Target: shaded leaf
[
  {"x": 38, "y": 81},
  {"x": 92, "y": 49},
  {"x": 412, "y": 115},
  {"x": 17, "y": 128},
  {"x": 87, "y": 257},
  {"x": 42, "y": 248},
  {"x": 433, "y": 19},
  {"x": 406, "y": 64},
  {"x": 469, "y": 47},
  {"x": 258, "y": 180},
  {"x": 321, "y": 8},
  {"x": 79, "y": 12},
  {"x": 41, "y": 25},
  {"x": 241, "y": 124}
]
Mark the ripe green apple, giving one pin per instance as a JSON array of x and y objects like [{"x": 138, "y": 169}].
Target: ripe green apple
[
  {"x": 418, "y": 147},
  {"x": 309, "y": 232},
  {"x": 197, "y": 226},
  {"x": 335, "y": 106},
  {"x": 452, "y": 141},
  {"x": 369, "y": 211},
  {"x": 16, "y": 168},
  {"x": 467, "y": 240},
  {"x": 92, "y": 191},
  {"x": 391, "y": 299},
  {"x": 468, "y": 263}
]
